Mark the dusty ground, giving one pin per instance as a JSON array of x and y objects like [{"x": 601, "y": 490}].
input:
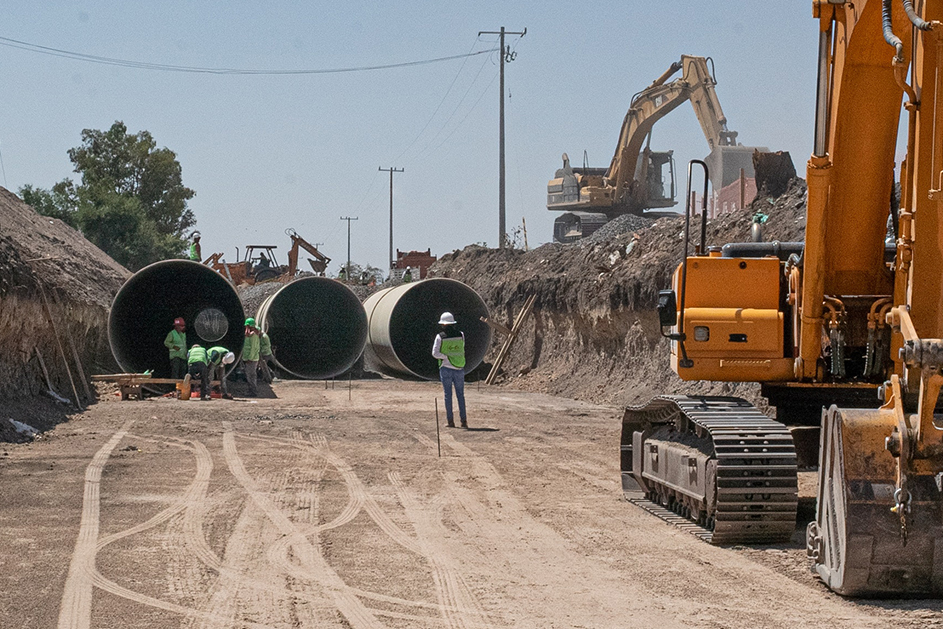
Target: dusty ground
[{"x": 312, "y": 510}]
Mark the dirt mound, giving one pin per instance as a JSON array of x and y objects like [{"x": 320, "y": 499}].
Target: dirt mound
[
  {"x": 594, "y": 334},
  {"x": 55, "y": 291}
]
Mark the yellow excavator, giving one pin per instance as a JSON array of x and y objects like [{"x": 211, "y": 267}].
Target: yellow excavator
[
  {"x": 845, "y": 326},
  {"x": 636, "y": 179}
]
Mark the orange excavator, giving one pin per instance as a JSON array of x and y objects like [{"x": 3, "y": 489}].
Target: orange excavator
[
  {"x": 843, "y": 330},
  {"x": 259, "y": 264}
]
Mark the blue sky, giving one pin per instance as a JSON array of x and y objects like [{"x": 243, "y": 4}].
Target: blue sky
[{"x": 268, "y": 153}]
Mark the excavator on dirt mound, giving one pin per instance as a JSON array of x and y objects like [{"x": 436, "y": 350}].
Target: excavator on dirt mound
[
  {"x": 260, "y": 265},
  {"x": 844, "y": 331},
  {"x": 639, "y": 178}
]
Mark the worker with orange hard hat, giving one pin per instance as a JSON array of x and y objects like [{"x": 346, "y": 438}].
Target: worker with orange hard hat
[{"x": 176, "y": 342}]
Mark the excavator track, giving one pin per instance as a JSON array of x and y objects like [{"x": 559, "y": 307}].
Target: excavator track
[{"x": 714, "y": 466}]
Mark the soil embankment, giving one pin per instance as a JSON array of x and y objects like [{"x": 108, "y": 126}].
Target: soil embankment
[
  {"x": 594, "y": 333},
  {"x": 55, "y": 291}
]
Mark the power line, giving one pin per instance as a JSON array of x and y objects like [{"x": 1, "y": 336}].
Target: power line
[
  {"x": 439, "y": 106},
  {"x": 144, "y": 65}
]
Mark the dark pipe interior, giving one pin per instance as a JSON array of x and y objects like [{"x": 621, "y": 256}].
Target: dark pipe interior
[
  {"x": 318, "y": 327},
  {"x": 415, "y": 322},
  {"x": 144, "y": 310}
]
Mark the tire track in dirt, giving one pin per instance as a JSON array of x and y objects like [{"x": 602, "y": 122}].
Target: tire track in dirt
[
  {"x": 519, "y": 549},
  {"x": 193, "y": 495},
  {"x": 75, "y": 609},
  {"x": 251, "y": 584},
  {"x": 356, "y": 614},
  {"x": 458, "y": 606}
]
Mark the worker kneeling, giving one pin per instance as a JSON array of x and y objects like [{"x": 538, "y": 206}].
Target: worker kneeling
[
  {"x": 219, "y": 358},
  {"x": 197, "y": 362}
]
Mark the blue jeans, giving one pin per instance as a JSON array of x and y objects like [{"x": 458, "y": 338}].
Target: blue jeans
[{"x": 456, "y": 378}]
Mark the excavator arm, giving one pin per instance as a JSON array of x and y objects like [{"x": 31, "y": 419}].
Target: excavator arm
[
  {"x": 318, "y": 265},
  {"x": 624, "y": 187}
]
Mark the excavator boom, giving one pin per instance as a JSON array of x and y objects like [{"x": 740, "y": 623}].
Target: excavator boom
[{"x": 636, "y": 179}]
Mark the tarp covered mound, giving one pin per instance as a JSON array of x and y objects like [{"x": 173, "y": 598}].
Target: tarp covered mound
[{"x": 55, "y": 291}]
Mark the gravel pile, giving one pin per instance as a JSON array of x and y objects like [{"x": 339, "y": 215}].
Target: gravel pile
[{"x": 619, "y": 225}]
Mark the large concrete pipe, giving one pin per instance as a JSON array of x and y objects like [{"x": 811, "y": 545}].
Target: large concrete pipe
[
  {"x": 317, "y": 325},
  {"x": 144, "y": 310},
  {"x": 404, "y": 320}
]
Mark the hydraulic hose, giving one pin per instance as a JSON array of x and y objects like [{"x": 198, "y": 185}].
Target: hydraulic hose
[
  {"x": 916, "y": 20},
  {"x": 889, "y": 36}
]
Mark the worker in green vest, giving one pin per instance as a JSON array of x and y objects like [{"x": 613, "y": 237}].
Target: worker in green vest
[
  {"x": 176, "y": 343},
  {"x": 197, "y": 362},
  {"x": 449, "y": 349},
  {"x": 195, "y": 254},
  {"x": 251, "y": 347},
  {"x": 219, "y": 358},
  {"x": 408, "y": 275}
]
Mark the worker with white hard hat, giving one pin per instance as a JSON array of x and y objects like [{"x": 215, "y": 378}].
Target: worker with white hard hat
[
  {"x": 449, "y": 349},
  {"x": 220, "y": 358}
]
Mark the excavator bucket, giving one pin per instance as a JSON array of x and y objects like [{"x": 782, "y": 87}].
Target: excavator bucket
[{"x": 858, "y": 545}]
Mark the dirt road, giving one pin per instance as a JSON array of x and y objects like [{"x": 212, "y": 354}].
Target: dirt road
[{"x": 312, "y": 510}]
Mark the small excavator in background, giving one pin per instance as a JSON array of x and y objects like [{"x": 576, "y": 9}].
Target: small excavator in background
[
  {"x": 844, "y": 331},
  {"x": 260, "y": 265},
  {"x": 639, "y": 178}
]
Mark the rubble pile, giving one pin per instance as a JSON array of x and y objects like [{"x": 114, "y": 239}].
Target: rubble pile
[
  {"x": 594, "y": 333},
  {"x": 55, "y": 291}
]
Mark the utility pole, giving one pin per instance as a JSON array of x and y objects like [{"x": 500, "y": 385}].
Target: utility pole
[
  {"x": 506, "y": 55},
  {"x": 391, "y": 170},
  {"x": 348, "y": 219}
]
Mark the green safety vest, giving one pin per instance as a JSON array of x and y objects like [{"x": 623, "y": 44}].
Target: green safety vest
[
  {"x": 193, "y": 253},
  {"x": 197, "y": 355},
  {"x": 250, "y": 348},
  {"x": 216, "y": 355},
  {"x": 265, "y": 347},
  {"x": 454, "y": 348},
  {"x": 180, "y": 340}
]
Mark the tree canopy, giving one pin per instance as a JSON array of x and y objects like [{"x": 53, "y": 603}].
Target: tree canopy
[{"x": 131, "y": 201}]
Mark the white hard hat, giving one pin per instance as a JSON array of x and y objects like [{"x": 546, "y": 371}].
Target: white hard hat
[
  {"x": 229, "y": 358},
  {"x": 409, "y": 268},
  {"x": 446, "y": 319}
]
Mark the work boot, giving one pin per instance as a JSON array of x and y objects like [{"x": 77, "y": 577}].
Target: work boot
[
  {"x": 450, "y": 424},
  {"x": 464, "y": 424}
]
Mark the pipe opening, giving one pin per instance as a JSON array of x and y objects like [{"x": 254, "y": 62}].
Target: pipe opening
[
  {"x": 145, "y": 307},
  {"x": 403, "y": 322},
  {"x": 317, "y": 325}
]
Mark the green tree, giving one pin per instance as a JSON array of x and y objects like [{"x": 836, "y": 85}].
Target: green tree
[{"x": 131, "y": 201}]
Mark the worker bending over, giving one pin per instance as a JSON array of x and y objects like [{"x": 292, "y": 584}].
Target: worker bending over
[
  {"x": 197, "y": 362},
  {"x": 176, "y": 342},
  {"x": 219, "y": 358},
  {"x": 449, "y": 348}
]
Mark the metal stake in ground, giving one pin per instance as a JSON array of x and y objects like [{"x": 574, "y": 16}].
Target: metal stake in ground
[{"x": 438, "y": 443}]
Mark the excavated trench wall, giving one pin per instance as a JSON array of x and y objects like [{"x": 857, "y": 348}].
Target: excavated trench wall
[
  {"x": 594, "y": 334},
  {"x": 41, "y": 257}
]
